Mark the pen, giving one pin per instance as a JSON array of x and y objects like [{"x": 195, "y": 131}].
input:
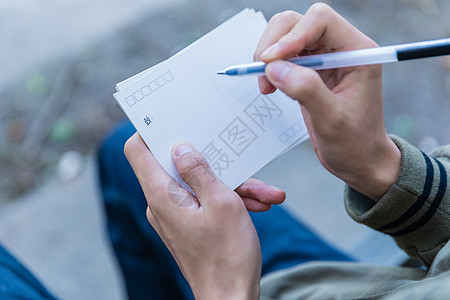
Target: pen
[{"x": 353, "y": 58}]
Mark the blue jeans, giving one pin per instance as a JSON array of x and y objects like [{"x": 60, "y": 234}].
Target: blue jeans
[
  {"x": 16, "y": 282},
  {"x": 147, "y": 265}
]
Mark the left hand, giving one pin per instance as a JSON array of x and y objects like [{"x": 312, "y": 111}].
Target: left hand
[
  {"x": 258, "y": 196},
  {"x": 211, "y": 237}
]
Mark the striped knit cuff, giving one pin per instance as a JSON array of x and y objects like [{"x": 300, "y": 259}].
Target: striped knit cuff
[{"x": 415, "y": 210}]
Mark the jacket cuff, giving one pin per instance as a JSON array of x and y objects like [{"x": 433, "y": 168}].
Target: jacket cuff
[{"x": 415, "y": 209}]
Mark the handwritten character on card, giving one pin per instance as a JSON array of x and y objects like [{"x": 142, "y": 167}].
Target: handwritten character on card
[{"x": 148, "y": 120}]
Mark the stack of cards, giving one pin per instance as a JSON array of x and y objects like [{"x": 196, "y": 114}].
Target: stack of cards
[{"x": 236, "y": 128}]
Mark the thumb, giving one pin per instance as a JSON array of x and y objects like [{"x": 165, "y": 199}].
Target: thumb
[
  {"x": 194, "y": 169},
  {"x": 302, "y": 84}
]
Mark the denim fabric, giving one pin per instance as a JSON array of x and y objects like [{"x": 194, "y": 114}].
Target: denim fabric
[
  {"x": 149, "y": 269},
  {"x": 286, "y": 242},
  {"x": 148, "y": 266},
  {"x": 16, "y": 282}
]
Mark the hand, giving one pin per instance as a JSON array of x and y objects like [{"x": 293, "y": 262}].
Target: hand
[
  {"x": 259, "y": 196},
  {"x": 342, "y": 108},
  {"x": 211, "y": 237}
]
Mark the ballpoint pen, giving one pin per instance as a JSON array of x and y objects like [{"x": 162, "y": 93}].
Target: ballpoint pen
[{"x": 352, "y": 58}]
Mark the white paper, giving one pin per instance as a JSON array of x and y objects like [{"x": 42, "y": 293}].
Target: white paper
[{"x": 227, "y": 119}]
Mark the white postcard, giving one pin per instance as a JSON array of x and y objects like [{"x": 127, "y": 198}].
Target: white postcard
[{"x": 236, "y": 128}]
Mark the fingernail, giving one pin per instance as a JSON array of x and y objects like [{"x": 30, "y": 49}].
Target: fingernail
[
  {"x": 269, "y": 52},
  {"x": 278, "y": 69},
  {"x": 181, "y": 148}
]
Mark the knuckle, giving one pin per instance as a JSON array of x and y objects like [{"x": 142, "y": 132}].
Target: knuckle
[
  {"x": 288, "y": 15},
  {"x": 275, "y": 18},
  {"x": 292, "y": 36},
  {"x": 192, "y": 164},
  {"x": 228, "y": 202},
  {"x": 320, "y": 9},
  {"x": 236, "y": 203}
]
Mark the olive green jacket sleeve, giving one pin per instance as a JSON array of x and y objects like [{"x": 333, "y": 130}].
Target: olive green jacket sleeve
[{"x": 416, "y": 210}]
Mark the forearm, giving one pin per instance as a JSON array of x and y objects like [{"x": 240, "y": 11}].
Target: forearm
[{"x": 415, "y": 210}]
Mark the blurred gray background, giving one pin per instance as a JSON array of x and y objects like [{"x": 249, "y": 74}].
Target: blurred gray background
[{"x": 60, "y": 63}]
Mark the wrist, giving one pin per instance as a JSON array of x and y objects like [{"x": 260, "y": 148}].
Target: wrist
[
  {"x": 242, "y": 285},
  {"x": 381, "y": 171},
  {"x": 244, "y": 293}
]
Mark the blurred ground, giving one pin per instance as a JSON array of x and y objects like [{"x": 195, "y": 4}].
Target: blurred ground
[{"x": 60, "y": 64}]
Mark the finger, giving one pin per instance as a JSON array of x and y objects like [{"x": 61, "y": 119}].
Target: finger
[
  {"x": 147, "y": 169},
  {"x": 320, "y": 23},
  {"x": 158, "y": 186},
  {"x": 195, "y": 171},
  {"x": 261, "y": 192},
  {"x": 304, "y": 85},
  {"x": 265, "y": 87},
  {"x": 278, "y": 25},
  {"x": 255, "y": 206}
]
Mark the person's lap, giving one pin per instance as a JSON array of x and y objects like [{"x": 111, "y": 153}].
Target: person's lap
[
  {"x": 17, "y": 282},
  {"x": 148, "y": 266}
]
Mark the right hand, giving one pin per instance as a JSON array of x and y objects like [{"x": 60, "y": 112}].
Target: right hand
[{"x": 342, "y": 108}]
